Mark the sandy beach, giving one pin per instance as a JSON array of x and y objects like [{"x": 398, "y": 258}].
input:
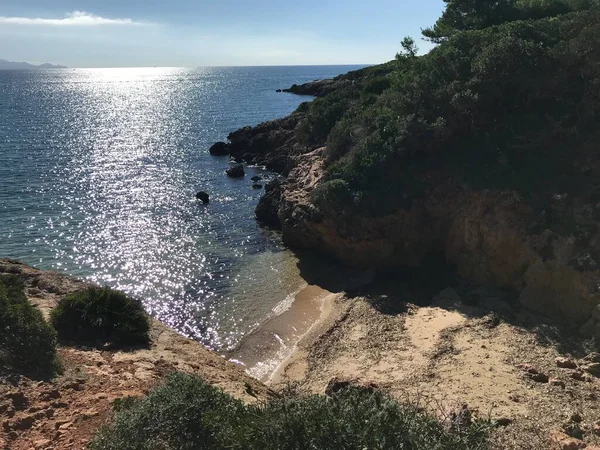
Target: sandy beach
[{"x": 450, "y": 353}]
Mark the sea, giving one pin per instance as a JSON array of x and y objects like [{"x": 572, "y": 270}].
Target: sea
[{"x": 98, "y": 174}]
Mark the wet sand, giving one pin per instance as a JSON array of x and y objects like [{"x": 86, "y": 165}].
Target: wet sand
[{"x": 267, "y": 348}]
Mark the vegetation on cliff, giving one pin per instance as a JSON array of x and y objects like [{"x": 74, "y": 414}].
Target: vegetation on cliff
[
  {"x": 508, "y": 99},
  {"x": 27, "y": 342},
  {"x": 188, "y": 413},
  {"x": 100, "y": 315}
]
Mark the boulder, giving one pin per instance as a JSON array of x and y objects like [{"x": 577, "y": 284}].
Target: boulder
[
  {"x": 538, "y": 377},
  {"x": 565, "y": 363},
  {"x": 267, "y": 210},
  {"x": 219, "y": 149},
  {"x": 202, "y": 196},
  {"x": 256, "y": 178},
  {"x": 257, "y": 186},
  {"x": 564, "y": 442},
  {"x": 236, "y": 171},
  {"x": 592, "y": 368}
]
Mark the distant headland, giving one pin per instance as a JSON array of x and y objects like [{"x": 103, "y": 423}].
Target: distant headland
[{"x": 13, "y": 65}]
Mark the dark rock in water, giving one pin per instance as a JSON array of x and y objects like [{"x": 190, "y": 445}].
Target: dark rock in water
[
  {"x": 219, "y": 149},
  {"x": 256, "y": 178},
  {"x": 267, "y": 210},
  {"x": 236, "y": 171},
  {"x": 257, "y": 186},
  {"x": 278, "y": 90},
  {"x": 202, "y": 196}
]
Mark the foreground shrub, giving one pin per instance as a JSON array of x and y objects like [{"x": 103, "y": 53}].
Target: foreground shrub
[
  {"x": 188, "y": 413},
  {"x": 101, "y": 315},
  {"x": 27, "y": 342}
]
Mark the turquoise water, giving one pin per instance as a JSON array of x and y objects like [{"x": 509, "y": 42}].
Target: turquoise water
[{"x": 98, "y": 171}]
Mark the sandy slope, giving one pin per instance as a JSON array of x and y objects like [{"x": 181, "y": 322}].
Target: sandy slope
[{"x": 447, "y": 354}]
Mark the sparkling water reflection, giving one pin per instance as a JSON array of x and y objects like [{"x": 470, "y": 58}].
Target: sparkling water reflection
[{"x": 98, "y": 173}]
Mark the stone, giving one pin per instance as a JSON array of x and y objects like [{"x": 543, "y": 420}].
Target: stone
[
  {"x": 337, "y": 385},
  {"x": 51, "y": 394},
  {"x": 65, "y": 425},
  {"x": 257, "y": 186},
  {"x": 576, "y": 417},
  {"x": 503, "y": 421},
  {"x": 596, "y": 429},
  {"x": 59, "y": 404},
  {"x": 579, "y": 376},
  {"x": 538, "y": 377},
  {"x": 23, "y": 422},
  {"x": 593, "y": 357},
  {"x": 202, "y": 196},
  {"x": 42, "y": 444},
  {"x": 75, "y": 385},
  {"x": 565, "y": 363},
  {"x": 527, "y": 368},
  {"x": 592, "y": 368},
  {"x": 565, "y": 442},
  {"x": 256, "y": 178},
  {"x": 557, "y": 382},
  {"x": 19, "y": 400},
  {"x": 236, "y": 171},
  {"x": 219, "y": 149},
  {"x": 573, "y": 430}
]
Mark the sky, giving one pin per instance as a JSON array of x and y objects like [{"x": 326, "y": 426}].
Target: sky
[{"x": 193, "y": 33}]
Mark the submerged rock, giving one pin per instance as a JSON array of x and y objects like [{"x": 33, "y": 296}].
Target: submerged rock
[
  {"x": 202, "y": 196},
  {"x": 257, "y": 186},
  {"x": 236, "y": 171},
  {"x": 219, "y": 149},
  {"x": 256, "y": 178}
]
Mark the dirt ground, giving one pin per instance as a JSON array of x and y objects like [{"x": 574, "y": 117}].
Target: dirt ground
[
  {"x": 65, "y": 412},
  {"x": 473, "y": 347}
]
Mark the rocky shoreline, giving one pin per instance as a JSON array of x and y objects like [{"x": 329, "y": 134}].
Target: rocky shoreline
[{"x": 490, "y": 236}]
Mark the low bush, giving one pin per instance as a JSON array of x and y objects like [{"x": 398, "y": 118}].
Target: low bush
[
  {"x": 188, "y": 413},
  {"x": 27, "y": 342},
  {"x": 101, "y": 315}
]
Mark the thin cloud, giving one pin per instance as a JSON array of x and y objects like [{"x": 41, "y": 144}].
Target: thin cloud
[{"x": 74, "y": 19}]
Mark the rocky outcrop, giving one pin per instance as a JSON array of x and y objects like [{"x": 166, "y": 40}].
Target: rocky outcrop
[
  {"x": 267, "y": 210},
  {"x": 219, "y": 149},
  {"x": 318, "y": 88},
  {"x": 486, "y": 235}
]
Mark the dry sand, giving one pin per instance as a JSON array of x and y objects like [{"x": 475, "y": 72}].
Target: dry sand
[{"x": 448, "y": 354}]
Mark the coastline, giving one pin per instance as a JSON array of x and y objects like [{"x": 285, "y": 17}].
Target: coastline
[{"x": 447, "y": 355}]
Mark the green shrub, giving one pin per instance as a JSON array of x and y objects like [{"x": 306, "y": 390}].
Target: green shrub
[
  {"x": 101, "y": 315},
  {"x": 27, "y": 342},
  {"x": 187, "y": 413}
]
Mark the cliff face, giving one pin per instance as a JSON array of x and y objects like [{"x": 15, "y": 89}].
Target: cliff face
[{"x": 486, "y": 235}]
